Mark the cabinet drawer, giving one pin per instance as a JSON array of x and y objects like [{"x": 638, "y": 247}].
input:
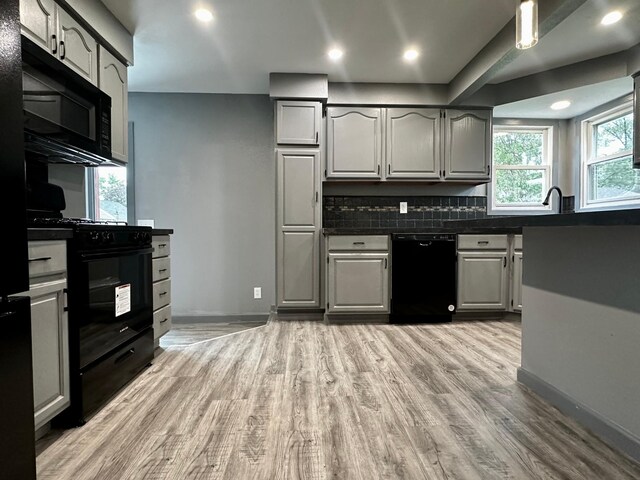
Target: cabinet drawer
[
  {"x": 161, "y": 246},
  {"x": 482, "y": 242},
  {"x": 161, "y": 294},
  {"x": 47, "y": 257},
  {"x": 517, "y": 242},
  {"x": 161, "y": 321},
  {"x": 161, "y": 268},
  {"x": 358, "y": 243}
]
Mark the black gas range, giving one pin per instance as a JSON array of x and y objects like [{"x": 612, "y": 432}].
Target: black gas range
[{"x": 110, "y": 306}]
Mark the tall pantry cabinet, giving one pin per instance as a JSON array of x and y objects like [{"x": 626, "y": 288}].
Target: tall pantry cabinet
[{"x": 299, "y": 204}]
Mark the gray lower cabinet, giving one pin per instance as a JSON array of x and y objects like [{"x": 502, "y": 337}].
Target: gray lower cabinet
[
  {"x": 517, "y": 281},
  {"x": 49, "y": 329},
  {"x": 298, "y": 122},
  {"x": 113, "y": 81},
  {"x": 636, "y": 123},
  {"x": 467, "y": 145},
  {"x": 482, "y": 272},
  {"x": 413, "y": 143},
  {"x": 354, "y": 143},
  {"x": 298, "y": 214},
  {"x": 161, "y": 276},
  {"x": 358, "y": 274}
]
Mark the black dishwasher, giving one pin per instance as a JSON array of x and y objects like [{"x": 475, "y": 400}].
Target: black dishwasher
[{"x": 423, "y": 278}]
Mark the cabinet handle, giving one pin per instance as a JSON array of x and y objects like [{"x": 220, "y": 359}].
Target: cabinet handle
[
  {"x": 358, "y": 243},
  {"x": 317, "y": 197},
  {"x": 41, "y": 259},
  {"x": 162, "y": 270},
  {"x": 162, "y": 294},
  {"x": 63, "y": 50},
  {"x": 7, "y": 314},
  {"x": 162, "y": 245},
  {"x": 483, "y": 242},
  {"x": 125, "y": 355},
  {"x": 385, "y": 263},
  {"x": 54, "y": 48},
  {"x": 389, "y": 169},
  {"x": 317, "y": 137},
  {"x": 164, "y": 321},
  {"x": 505, "y": 262},
  {"x": 378, "y": 170},
  {"x": 488, "y": 169}
]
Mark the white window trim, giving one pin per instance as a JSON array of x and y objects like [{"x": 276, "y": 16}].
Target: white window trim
[
  {"x": 586, "y": 146},
  {"x": 547, "y": 168}
]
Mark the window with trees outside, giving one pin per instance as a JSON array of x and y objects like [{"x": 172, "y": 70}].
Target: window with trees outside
[
  {"x": 521, "y": 168},
  {"x": 109, "y": 194},
  {"x": 608, "y": 176}
]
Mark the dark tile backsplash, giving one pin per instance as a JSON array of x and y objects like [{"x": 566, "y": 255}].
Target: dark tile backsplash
[{"x": 384, "y": 212}]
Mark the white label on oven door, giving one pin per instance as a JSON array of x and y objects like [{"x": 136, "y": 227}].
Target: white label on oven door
[{"x": 123, "y": 299}]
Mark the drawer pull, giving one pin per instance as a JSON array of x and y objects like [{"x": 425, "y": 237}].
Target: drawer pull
[
  {"x": 7, "y": 314},
  {"x": 162, "y": 294},
  {"x": 125, "y": 355},
  {"x": 483, "y": 242},
  {"x": 41, "y": 259},
  {"x": 358, "y": 243},
  {"x": 162, "y": 270},
  {"x": 162, "y": 245},
  {"x": 164, "y": 321}
]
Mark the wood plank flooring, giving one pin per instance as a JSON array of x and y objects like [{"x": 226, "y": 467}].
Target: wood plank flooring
[
  {"x": 307, "y": 400},
  {"x": 189, "y": 334}
]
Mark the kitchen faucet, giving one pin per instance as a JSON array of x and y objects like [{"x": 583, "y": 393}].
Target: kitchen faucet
[{"x": 546, "y": 199}]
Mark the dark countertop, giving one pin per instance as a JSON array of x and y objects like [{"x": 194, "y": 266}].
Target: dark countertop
[
  {"x": 49, "y": 233},
  {"x": 162, "y": 231},
  {"x": 606, "y": 218},
  {"x": 416, "y": 231}
]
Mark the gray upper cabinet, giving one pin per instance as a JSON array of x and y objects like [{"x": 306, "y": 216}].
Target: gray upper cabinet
[
  {"x": 354, "y": 143},
  {"x": 77, "y": 49},
  {"x": 38, "y": 19},
  {"x": 113, "y": 81},
  {"x": 298, "y": 123},
  {"x": 298, "y": 215},
  {"x": 413, "y": 143},
  {"x": 467, "y": 145}
]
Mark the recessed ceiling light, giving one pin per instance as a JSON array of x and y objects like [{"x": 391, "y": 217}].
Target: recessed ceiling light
[
  {"x": 561, "y": 105},
  {"x": 611, "y": 18},
  {"x": 411, "y": 54},
  {"x": 203, "y": 15},
  {"x": 335, "y": 54}
]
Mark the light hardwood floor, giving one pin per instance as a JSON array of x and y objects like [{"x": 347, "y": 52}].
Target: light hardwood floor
[{"x": 306, "y": 400}]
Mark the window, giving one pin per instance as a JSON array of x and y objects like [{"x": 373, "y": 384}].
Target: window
[
  {"x": 109, "y": 199},
  {"x": 522, "y": 168},
  {"x": 608, "y": 176}
]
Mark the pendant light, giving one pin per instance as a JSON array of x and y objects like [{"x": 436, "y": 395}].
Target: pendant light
[{"x": 526, "y": 24}]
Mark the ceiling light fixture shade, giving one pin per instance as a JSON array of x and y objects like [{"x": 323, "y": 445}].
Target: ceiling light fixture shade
[
  {"x": 526, "y": 24},
  {"x": 561, "y": 105},
  {"x": 611, "y": 18},
  {"x": 203, "y": 15}
]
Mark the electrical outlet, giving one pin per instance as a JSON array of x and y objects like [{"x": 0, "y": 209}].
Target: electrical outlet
[
  {"x": 257, "y": 292},
  {"x": 403, "y": 207}
]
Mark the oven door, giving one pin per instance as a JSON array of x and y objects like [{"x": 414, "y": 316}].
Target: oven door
[{"x": 117, "y": 301}]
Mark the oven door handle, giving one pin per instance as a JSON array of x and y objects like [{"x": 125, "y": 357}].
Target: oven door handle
[{"x": 116, "y": 253}]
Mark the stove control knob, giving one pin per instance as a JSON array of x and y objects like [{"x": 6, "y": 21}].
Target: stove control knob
[
  {"x": 135, "y": 237},
  {"x": 147, "y": 237},
  {"x": 107, "y": 237},
  {"x": 94, "y": 237}
]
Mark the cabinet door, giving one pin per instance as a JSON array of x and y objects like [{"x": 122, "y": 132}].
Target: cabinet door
[
  {"x": 413, "y": 143},
  {"x": 49, "y": 337},
  {"x": 298, "y": 274},
  {"x": 77, "y": 49},
  {"x": 354, "y": 143},
  {"x": 113, "y": 81},
  {"x": 482, "y": 280},
  {"x": 468, "y": 144},
  {"x": 38, "y": 22},
  {"x": 298, "y": 187},
  {"x": 636, "y": 123},
  {"x": 298, "y": 123},
  {"x": 516, "y": 287},
  {"x": 358, "y": 283}
]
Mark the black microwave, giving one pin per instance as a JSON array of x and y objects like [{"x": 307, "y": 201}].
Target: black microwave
[{"x": 67, "y": 119}]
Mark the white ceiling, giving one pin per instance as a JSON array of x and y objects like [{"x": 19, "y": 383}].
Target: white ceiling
[
  {"x": 580, "y": 37},
  {"x": 251, "y": 38},
  {"x": 582, "y": 100}
]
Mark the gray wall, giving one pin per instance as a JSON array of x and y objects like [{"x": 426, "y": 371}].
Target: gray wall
[
  {"x": 204, "y": 165},
  {"x": 72, "y": 179},
  {"x": 581, "y": 318}
]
